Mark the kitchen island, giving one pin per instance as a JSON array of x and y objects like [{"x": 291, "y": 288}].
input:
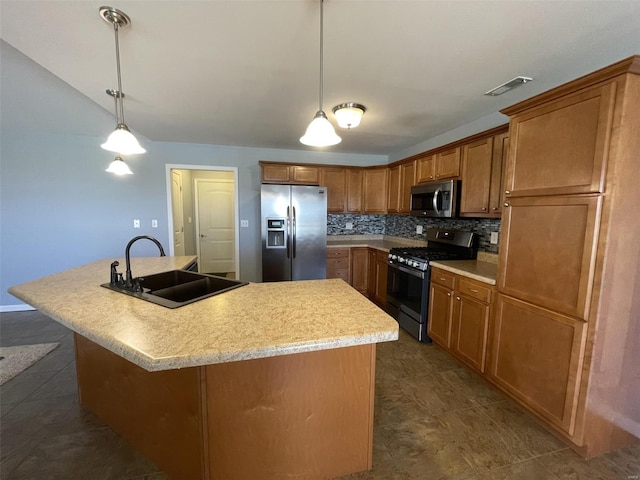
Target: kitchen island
[{"x": 269, "y": 380}]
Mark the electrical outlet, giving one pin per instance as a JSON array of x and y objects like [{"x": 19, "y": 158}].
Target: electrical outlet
[
  {"x": 244, "y": 223},
  {"x": 494, "y": 238},
  {"x": 154, "y": 223},
  {"x": 419, "y": 229},
  {"x": 136, "y": 223},
  {"x": 349, "y": 226}
]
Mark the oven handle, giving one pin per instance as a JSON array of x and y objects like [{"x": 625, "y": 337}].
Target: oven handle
[{"x": 415, "y": 273}]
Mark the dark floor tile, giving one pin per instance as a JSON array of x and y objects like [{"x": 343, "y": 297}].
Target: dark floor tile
[
  {"x": 529, "y": 470},
  {"x": 627, "y": 459},
  {"x": 472, "y": 386},
  {"x": 566, "y": 465},
  {"x": 21, "y": 386},
  {"x": 61, "y": 384},
  {"x": 518, "y": 427},
  {"x": 97, "y": 454},
  {"x": 53, "y": 361}
]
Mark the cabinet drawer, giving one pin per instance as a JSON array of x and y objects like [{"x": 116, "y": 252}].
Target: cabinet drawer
[
  {"x": 474, "y": 290},
  {"x": 442, "y": 278},
  {"x": 338, "y": 273},
  {"x": 338, "y": 263},
  {"x": 337, "y": 252}
]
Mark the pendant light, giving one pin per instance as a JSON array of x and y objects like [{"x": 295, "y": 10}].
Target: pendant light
[
  {"x": 121, "y": 141},
  {"x": 320, "y": 133},
  {"x": 118, "y": 167}
]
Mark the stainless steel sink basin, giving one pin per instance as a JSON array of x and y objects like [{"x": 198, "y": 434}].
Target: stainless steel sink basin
[{"x": 176, "y": 288}]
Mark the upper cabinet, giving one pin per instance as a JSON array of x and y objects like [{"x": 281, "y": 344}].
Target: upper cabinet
[
  {"x": 482, "y": 173},
  {"x": 393, "y": 200},
  {"x": 439, "y": 166},
  {"x": 354, "y": 190},
  {"x": 335, "y": 179},
  {"x": 375, "y": 190},
  {"x": 401, "y": 178},
  {"x": 290, "y": 174},
  {"x": 550, "y": 154}
]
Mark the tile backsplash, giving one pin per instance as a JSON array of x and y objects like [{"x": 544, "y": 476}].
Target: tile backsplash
[{"x": 405, "y": 226}]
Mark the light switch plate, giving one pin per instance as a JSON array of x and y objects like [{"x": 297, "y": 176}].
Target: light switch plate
[
  {"x": 154, "y": 223},
  {"x": 244, "y": 223},
  {"x": 349, "y": 226},
  {"x": 136, "y": 223},
  {"x": 494, "y": 238}
]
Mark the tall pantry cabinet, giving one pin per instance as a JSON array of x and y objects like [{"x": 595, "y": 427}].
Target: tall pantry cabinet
[{"x": 566, "y": 333}]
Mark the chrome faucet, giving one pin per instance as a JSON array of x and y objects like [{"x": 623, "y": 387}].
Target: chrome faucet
[{"x": 116, "y": 278}]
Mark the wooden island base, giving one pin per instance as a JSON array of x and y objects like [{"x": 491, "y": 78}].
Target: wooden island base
[{"x": 303, "y": 416}]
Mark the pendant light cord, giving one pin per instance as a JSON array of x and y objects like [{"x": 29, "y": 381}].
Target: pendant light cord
[
  {"x": 119, "y": 94},
  {"x": 321, "y": 53}
]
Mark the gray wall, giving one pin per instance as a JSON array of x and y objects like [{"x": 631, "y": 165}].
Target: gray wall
[{"x": 58, "y": 207}]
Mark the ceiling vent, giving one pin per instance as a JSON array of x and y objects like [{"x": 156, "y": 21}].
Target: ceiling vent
[{"x": 505, "y": 87}]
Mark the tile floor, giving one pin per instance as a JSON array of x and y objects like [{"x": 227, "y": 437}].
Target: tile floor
[{"x": 433, "y": 420}]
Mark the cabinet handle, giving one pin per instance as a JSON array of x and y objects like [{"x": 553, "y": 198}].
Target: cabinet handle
[
  {"x": 507, "y": 192},
  {"x": 495, "y": 209},
  {"x": 484, "y": 209},
  {"x": 448, "y": 294},
  {"x": 506, "y": 204},
  {"x": 473, "y": 290},
  {"x": 443, "y": 279},
  {"x": 430, "y": 177},
  {"x": 458, "y": 298},
  {"x": 438, "y": 176}
]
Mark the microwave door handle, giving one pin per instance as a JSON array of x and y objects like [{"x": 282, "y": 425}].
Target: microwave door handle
[
  {"x": 288, "y": 236},
  {"x": 436, "y": 194}
]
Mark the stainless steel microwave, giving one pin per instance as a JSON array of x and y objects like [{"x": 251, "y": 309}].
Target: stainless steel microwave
[{"x": 435, "y": 199}]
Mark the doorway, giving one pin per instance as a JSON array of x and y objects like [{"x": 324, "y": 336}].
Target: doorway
[{"x": 205, "y": 200}]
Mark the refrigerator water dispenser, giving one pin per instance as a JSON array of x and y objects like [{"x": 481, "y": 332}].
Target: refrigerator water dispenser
[{"x": 276, "y": 233}]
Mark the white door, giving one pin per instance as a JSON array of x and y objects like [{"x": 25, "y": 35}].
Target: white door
[
  {"x": 178, "y": 212},
  {"x": 215, "y": 225}
]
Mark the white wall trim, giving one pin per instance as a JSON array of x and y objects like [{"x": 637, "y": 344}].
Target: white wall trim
[
  {"x": 172, "y": 166},
  {"x": 16, "y": 308}
]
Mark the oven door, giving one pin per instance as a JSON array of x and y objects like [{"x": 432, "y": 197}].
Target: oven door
[{"x": 407, "y": 290}]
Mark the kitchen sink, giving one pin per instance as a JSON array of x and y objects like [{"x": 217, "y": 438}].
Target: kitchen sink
[{"x": 177, "y": 288}]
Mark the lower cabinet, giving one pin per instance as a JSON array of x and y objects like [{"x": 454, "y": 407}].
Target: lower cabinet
[
  {"x": 381, "y": 269},
  {"x": 365, "y": 269},
  {"x": 338, "y": 263},
  {"x": 459, "y": 313},
  {"x": 537, "y": 356},
  {"x": 360, "y": 269}
]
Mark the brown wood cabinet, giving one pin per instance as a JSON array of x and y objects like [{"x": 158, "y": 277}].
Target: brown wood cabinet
[
  {"x": 401, "y": 179},
  {"x": 476, "y": 177},
  {"x": 371, "y": 274},
  {"x": 290, "y": 174},
  {"x": 426, "y": 169},
  {"x": 335, "y": 179},
  {"x": 360, "y": 269},
  {"x": 498, "y": 163},
  {"x": 537, "y": 357},
  {"x": 375, "y": 190},
  {"x": 393, "y": 199},
  {"x": 459, "y": 312},
  {"x": 339, "y": 263},
  {"x": 381, "y": 278},
  {"x": 354, "y": 190},
  {"x": 440, "y": 166},
  {"x": 566, "y": 341}
]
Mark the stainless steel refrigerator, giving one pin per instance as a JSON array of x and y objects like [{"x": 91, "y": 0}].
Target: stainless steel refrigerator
[{"x": 294, "y": 232}]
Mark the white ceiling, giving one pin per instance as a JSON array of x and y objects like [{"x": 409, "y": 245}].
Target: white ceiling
[{"x": 245, "y": 73}]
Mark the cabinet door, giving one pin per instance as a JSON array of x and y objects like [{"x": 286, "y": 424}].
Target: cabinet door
[
  {"x": 548, "y": 250},
  {"x": 440, "y": 309},
  {"x": 354, "y": 190},
  {"x": 561, "y": 147},
  {"x": 537, "y": 356},
  {"x": 426, "y": 169},
  {"x": 407, "y": 180},
  {"x": 476, "y": 176},
  {"x": 470, "y": 329},
  {"x": 381, "y": 278},
  {"x": 360, "y": 269},
  {"x": 498, "y": 163},
  {"x": 375, "y": 190},
  {"x": 275, "y": 174},
  {"x": 335, "y": 179},
  {"x": 448, "y": 164},
  {"x": 338, "y": 263},
  {"x": 393, "y": 199},
  {"x": 305, "y": 175},
  {"x": 371, "y": 282}
]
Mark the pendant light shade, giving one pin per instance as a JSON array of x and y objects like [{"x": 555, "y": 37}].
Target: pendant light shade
[
  {"x": 320, "y": 133},
  {"x": 119, "y": 167},
  {"x": 121, "y": 141}
]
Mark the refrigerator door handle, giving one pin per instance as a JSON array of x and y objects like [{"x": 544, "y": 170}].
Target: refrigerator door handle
[
  {"x": 294, "y": 232},
  {"x": 288, "y": 236}
]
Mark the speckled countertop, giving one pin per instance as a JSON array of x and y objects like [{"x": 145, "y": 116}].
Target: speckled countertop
[
  {"x": 481, "y": 270},
  {"x": 380, "y": 242},
  {"x": 254, "y": 321}
]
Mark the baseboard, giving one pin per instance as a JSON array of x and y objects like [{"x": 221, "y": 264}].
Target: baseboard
[{"x": 23, "y": 307}]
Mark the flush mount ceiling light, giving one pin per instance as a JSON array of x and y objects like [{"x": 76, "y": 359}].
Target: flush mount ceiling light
[
  {"x": 320, "y": 132},
  {"x": 349, "y": 114},
  {"x": 121, "y": 141},
  {"x": 510, "y": 85},
  {"x": 119, "y": 167}
]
